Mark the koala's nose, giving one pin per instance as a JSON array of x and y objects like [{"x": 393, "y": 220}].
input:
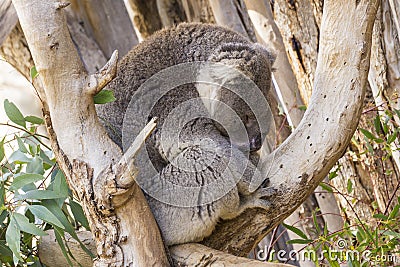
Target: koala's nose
[{"x": 255, "y": 143}]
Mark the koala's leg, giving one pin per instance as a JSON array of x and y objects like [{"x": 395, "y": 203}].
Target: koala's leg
[{"x": 193, "y": 192}]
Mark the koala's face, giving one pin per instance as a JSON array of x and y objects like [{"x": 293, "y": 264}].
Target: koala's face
[{"x": 242, "y": 116}]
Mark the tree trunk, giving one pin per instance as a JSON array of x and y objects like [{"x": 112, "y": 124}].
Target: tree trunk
[{"x": 94, "y": 166}]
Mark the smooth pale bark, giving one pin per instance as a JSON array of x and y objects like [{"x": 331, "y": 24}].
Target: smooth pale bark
[
  {"x": 306, "y": 157},
  {"x": 233, "y": 14},
  {"x": 108, "y": 22},
  {"x": 51, "y": 255},
  {"x": 268, "y": 34},
  {"x": 120, "y": 219},
  {"x": 8, "y": 19}
]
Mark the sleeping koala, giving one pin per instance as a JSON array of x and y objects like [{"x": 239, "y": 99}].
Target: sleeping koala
[{"x": 198, "y": 164}]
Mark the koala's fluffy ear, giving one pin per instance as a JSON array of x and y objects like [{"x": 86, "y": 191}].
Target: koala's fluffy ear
[
  {"x": 247, "y": 57},
  {"x": 270, "y": 55}
]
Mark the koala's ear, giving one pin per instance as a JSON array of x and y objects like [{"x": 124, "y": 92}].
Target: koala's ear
[{"x": 270, "y": 55}]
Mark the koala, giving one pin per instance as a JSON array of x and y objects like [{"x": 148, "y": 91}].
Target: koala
[{"x": 214, "y": 168}]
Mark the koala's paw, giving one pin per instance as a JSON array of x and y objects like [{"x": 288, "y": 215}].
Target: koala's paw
[{"x": 261, "y": 198}]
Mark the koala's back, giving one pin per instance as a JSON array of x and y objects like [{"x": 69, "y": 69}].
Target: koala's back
[{"x": 187, "y": 42}]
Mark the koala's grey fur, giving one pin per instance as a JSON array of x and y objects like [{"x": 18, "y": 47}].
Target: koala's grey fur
[{"x": 190, "y": 42}]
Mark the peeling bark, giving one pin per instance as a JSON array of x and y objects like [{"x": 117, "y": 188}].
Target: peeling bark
[
  {"x": 145, "y": 16},
  {"x": 300, "y": 30}
]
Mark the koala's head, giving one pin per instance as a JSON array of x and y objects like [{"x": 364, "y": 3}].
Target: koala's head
[{"x": 255, "y": 62}]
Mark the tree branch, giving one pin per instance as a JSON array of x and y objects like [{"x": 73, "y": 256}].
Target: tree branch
[
  {"x": 127, "y": 234},
  {"x": 306, "y": 157}
]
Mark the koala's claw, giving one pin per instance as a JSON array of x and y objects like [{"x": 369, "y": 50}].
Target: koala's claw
[{"x": 261, "y": 198}]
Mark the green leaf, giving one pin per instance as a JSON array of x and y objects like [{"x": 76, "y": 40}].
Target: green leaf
[
  {"x": 393, "y": 214},
  {"x": 326, "y": 187},
  {"x": 18, "y": 157},
  {"x": 56, "y": 210},
  {"x": 391, "y": 138},
  {"x": 35, "y": 165},
  {"x": 2, "y": 154},
  {"x": 34, "y": 120},
  {"x": 5, "y": 253},
  {"x": 316, "y": 223},
  {"x": 33, "y": 72},
  {"x": 380, "y": 216},
  {"x": 103, "y": 97},
  {"x": 299, "y": 241},
  {"x": 26, "y": 226},
  {"x": 377, "y": 124},
  {"x": 13, "y": 240},
  {"x": 295, "y": 230},
  {"x": 46, "y": 158},
  {"x": 59, "y": 234},
  {"x": 2, "y": 195},
  {"x": 349, "y": 186},
  {"x": 367, "y": 134},
  {"x": 25, "y": 179},
  {"x": 392, "y": 233},
  {"x": 21, "y": 145},
  {"x": 38, "y": 194},
  {"x": 303, "y": 108},
  {"x": 60, "y": 185},
  {"x": 77, "y": 211},
  {"x": 44, "y": 214},
  {"x": 14, "y": 114},
  {"x": 332, "y": 175}
]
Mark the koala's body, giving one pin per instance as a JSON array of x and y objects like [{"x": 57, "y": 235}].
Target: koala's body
[{"x": 205, "y": 151}]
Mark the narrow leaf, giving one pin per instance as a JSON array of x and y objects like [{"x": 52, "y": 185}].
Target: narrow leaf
[
  {"x": 14, "y": 114},
  {"x": 77, "y": 211},
  {"x": 377, "y": 124},
  {"x": 60, "y": 184},
  {"x": 21, "y": 145},
  {"x": 326, "y": 187},
  {"x": 56, "y": 210},
  {"x": 25, "y": 179},
  {"x": 391, "y": 138},
  {"x": 299, "y": 241},
  {"x": 34, "y": 120},
  {"x": 44, "y": 214},
  {"x": 59, "y": 234},
  {"x": 380, "y": 216},
  {"x": 393, "y": 214},
  {"x": 13, "y": 239},
  {"x": 26, "y": 226},
  {"x": 295, "y": 230},
  {"x": 2, "y": 154},
  {"x": 349, "y": 186},
  {"x": 38, "y": 194},
  {"x": 368, "y": 134}
]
